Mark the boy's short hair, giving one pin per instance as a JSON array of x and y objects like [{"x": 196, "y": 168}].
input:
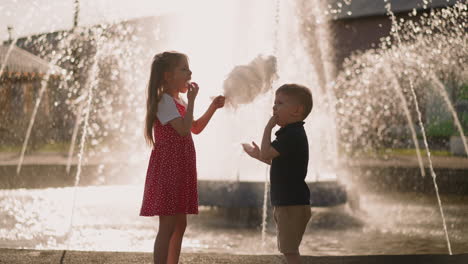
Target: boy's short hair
[{"x": 301, "y": 94}]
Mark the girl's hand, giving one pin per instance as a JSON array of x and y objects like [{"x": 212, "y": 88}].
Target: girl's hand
[
  {"x": 218, "y": 102},
  {"x": 192, "y": 91},
  {"x": 253, "y": 151}
]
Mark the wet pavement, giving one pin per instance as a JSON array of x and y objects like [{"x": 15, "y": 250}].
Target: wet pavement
[{"x": 20, "y": 256}]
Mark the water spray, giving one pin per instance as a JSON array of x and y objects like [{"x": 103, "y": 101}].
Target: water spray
[{"x": 395, "y": 27}]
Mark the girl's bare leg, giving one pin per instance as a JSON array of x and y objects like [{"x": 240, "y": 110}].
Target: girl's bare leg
[
  {"x": 176, "y": 239},
  {"x": 167, "y": 226}
]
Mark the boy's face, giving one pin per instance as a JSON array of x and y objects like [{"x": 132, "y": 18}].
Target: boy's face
[{"x": 286, "y": 110}]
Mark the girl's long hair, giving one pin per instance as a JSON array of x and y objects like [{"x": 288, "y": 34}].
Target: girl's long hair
[{"x": 162, "y": 62}]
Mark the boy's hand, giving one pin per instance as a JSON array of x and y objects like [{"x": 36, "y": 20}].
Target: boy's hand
[
  {"x": 218, "y": 102},
  {"x": 192, "y": 91},
  {"x": 271, "y": 123},
  {"x": 252, "y": 150}
]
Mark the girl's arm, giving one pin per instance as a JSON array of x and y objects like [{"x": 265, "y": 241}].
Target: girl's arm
[
  {"x": 200, "y": 124},
  {"x": 183, "y": 124}
]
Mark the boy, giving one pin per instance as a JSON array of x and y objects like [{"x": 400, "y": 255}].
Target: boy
[{"x": 288, "y": 155}]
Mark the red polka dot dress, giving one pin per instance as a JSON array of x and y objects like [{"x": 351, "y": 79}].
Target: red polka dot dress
[{"x": 171, "y": 178}]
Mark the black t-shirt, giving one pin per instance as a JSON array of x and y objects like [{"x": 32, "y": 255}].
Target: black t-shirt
[{"x": 289, "y": 169}]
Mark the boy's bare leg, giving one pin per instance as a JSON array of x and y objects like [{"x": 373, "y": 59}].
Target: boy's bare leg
[
  {"x": 161, "y": 244},
  {"x": 293, "y": 258},
  {"x": 176, "y": 240}
]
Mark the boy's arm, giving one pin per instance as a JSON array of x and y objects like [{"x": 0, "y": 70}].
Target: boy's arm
[
  {"x": 200, "y": 124},
  {"x": 267, "y": 151}
]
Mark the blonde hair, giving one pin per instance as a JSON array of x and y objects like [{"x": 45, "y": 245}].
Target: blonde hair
[
  {"x": 300, "y": 94},
  {"x": 162, "y": 62}
]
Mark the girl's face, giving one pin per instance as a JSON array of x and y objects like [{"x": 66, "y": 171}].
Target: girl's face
[
  {"x": 179, "y": 78},
  {"x": 285, "y": 110}
]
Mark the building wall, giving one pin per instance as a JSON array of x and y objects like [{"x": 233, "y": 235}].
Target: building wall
[
  {"x": 18, "y": 97},
  {"x": 361, "y": 34},
  {"x": 352, "y": 35}
]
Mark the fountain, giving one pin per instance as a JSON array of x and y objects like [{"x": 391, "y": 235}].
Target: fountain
[
  {"x": 129, "y": 40},
  {"x": 383, "y": 64},
  {"x": 355, "y": 108}
]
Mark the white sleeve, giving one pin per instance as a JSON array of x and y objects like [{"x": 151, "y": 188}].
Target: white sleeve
[{"x": 167, "y": 109}]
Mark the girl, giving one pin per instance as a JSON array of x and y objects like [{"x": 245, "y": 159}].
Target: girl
[{"x": 171, "y": 179}]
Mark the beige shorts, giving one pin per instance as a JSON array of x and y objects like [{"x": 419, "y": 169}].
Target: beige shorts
[{"x": 291, "y": 222}]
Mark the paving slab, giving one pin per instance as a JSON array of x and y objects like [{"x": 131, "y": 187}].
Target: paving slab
[{"x": 27, "y": 256}]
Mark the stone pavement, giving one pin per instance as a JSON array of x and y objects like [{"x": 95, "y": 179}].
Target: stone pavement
[{"x": 27, "y": 256}]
